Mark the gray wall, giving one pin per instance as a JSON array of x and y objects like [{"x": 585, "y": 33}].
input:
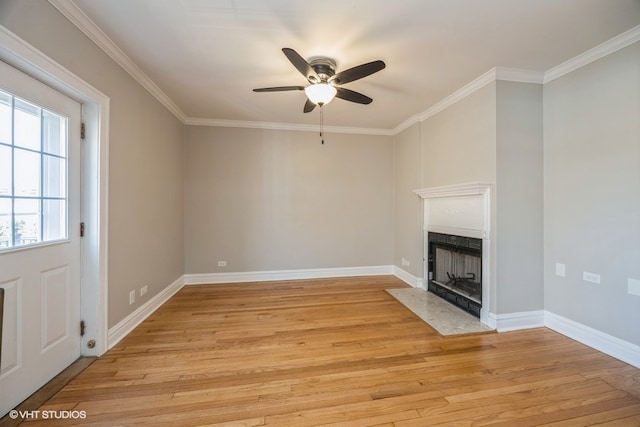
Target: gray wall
[
  {"x": 592, "y": 193},
  {"x": 145, "y": 158},
  {"x": 565, "y": 158},
  {"x": 459, "y": 146},
  {"x": 279, "y": 200},
  {"x": 494, "y": 135},
  {"x": 271, "y": 200},
  {"x": 519, "y": 197},
  {"x": 459, "y": 143}
]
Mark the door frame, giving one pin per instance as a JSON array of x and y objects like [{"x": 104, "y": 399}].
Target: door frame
[{"x": 94, "y": 199}]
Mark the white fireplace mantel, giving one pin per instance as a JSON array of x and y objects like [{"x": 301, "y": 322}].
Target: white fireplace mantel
[{"x": 461, "y": 209}]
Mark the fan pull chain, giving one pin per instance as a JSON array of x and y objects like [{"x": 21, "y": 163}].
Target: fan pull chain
[{"x": 321, "y": 124}]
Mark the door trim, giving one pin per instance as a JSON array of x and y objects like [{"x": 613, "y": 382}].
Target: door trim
[{"x": 95, "y": 111}]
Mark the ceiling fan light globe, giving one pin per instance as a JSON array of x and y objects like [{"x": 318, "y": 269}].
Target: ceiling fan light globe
[{"x": 321, "y": 93}]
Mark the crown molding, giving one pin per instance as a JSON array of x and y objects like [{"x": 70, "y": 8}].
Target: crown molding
[
  {"x": 607, "y": 48},
  {"x": 463, "y": 92},
  {"x": 406, "y": 124},
  {"x": 519, "y": 76},
  {"x": 497, "y": 73},
  {"x": 527, "y": 76},
  {"x": 191, "y": 121},
  {"x": 78, "y": 18}
]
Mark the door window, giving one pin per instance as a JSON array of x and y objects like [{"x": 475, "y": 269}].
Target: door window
[{"x": 33, "y": 174}]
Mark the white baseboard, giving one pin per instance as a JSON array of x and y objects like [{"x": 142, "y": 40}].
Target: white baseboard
[
  {"x": 408, "y": 278},
  {"x": 268, "y": 276},
  {"x": 608, "y": 344},
  {"x": 129, "y": 323},
  {"x": 516, "y": 321}
]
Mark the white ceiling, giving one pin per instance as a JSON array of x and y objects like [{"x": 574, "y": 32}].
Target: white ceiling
[{"x": 206, "y": 56}]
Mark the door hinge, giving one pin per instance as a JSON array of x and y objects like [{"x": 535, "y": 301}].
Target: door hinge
[
  {"x": 82, "y": 327},
  {"x": 82, "y": 229},
  {"x": 82, "y": 131}
]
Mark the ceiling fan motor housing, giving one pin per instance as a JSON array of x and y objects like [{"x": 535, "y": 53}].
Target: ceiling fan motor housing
[{"x": 324, "y": 68}]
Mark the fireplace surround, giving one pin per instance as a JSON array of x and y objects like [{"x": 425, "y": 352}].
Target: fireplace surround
[{"x": 463, "y": 212}]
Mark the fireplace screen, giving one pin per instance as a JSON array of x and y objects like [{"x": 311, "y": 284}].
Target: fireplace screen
[
  {"x": 455, "y": 270},
  {"x": 459, "y": 271}
]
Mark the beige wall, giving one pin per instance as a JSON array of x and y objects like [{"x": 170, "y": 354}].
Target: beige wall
[
  {"x": 407, "y": 171},
  {"x": 145, "y": 158},
  {"x": 280, "y": 200},
  {"x": 592, "y": 193},
  {"x": 459, "y": 143}
]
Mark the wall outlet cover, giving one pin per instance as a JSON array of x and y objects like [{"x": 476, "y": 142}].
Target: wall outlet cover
[
  {"x": 591, "y": 277},
  {"x": 633, "y": 286},
  {"x": 561, "y": 269}
]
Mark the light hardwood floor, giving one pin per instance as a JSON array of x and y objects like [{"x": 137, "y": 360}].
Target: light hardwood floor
[{"x": 339, "y": 351}]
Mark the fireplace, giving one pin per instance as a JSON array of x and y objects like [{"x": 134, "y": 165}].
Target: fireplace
[
  {"x": 458, "y": 240},
  {"x": 455, "y": 270}
]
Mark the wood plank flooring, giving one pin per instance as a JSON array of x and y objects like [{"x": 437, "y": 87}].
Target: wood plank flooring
[{"x": 338, "y": 352}]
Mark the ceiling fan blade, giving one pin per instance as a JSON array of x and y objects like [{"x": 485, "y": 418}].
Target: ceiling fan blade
[
  {"x": 353, "y": 96},
  {"x": 278, "y": 88},
  {"x": 309, "y": 106},
  {"x": 301, "y": 64},
  {"x": 357, "y": 72}
]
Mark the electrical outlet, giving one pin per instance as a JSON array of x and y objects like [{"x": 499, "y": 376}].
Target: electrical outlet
[
  {"x": 633, "y": 286},
  {"x": 132, "y": 297},
  {"x": 405, "y": 262},
  {"x": 591, "y": 277},
  {"x": 561, "y": 269},
  {"x": 143, "y": 290},
  {"x": 222, "y": 263}
]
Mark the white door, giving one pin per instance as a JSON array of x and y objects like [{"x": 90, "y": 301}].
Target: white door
[{"x": 39, "y": 234}]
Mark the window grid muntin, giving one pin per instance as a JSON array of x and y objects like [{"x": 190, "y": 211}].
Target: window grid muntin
[{"x": 64, "y": 174}]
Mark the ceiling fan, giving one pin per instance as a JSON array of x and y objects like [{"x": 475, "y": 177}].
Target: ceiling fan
[{"x": 324, "y": 83}]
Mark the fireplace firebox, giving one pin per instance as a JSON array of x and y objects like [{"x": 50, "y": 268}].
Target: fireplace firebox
[{"x": 455, "y": 270}]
